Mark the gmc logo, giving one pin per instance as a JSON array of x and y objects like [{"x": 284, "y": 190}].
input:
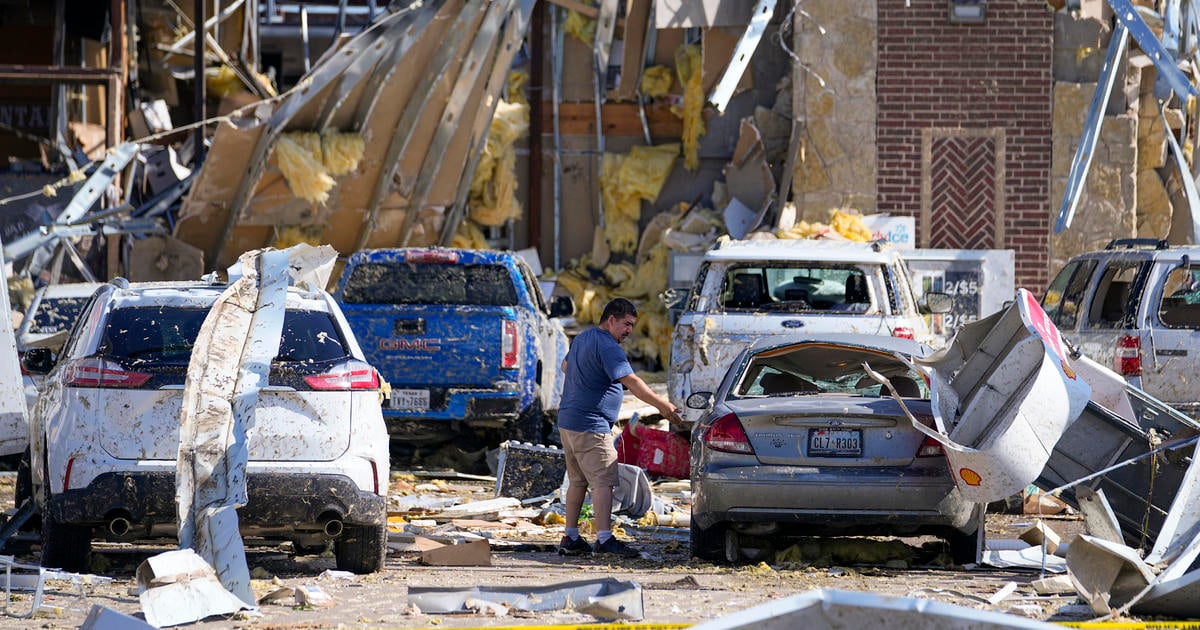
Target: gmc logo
[{"x": 417, "y": 345}]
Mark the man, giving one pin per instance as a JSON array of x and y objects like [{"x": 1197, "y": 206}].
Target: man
[{"x": 596, "y": 368}]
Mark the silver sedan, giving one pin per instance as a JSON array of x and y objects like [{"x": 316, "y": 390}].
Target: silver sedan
[{"x": 799, "y": 440}]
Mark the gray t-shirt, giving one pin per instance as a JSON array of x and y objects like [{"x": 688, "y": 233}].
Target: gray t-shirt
[{"x": 592, "y": 392}]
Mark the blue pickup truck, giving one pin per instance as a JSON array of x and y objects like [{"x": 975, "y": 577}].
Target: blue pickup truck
[{"x": 465, "y": 338}]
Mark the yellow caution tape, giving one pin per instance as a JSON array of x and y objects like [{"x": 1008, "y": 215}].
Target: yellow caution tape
[
  {"x": 1131, "y": 625},
  {"x": 583, "y": 626}
]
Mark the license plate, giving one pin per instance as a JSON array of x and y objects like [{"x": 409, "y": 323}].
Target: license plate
[
  {"x": 410, "y": 399},
  {"x": 834, "y": 442}
]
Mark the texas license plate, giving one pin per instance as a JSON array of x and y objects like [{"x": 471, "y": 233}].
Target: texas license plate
[
  {"x": 834, "y": 442},
  {"x": 410, "y": 399}
]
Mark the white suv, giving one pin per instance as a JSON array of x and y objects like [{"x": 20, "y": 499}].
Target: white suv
[
  {"x": 745, "y": 290},
  {"x": 104, "y": 436},
  {"x": 1135, "y": 306}
]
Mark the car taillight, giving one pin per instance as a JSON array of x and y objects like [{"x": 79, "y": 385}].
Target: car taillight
[
  {"x": 1128, "y": 358},
  {"x": 67, "y": 476},
  {"x": 93, "y": 372},
  {"x": 510, "y": 344},
  {"x": 348, "y": 375},
  {"x": 375, "y": 476},
  {"x": 930, "y": 448},
  {"x": 727, "y": 435},
  {"x": 903, "y": 332}
]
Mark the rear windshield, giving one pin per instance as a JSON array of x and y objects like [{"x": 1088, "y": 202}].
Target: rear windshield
[
  {"x": 816, "y": 368},
  {"x": 167, "y": 334},
  {"x": 430, "y": 283},
  {"x": 55, "y": 314},
  {"x": 800, "y": 287}
]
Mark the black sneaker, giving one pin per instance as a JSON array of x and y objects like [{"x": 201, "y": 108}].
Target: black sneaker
[
  {"x": 616, "y": 547},
  {"x": 573, "y": 546}
]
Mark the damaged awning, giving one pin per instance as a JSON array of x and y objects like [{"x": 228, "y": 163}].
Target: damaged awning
[{"x": 414, "y": 132}]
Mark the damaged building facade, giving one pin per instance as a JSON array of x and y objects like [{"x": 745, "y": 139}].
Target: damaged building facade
[{"x": 966, "y": 125}]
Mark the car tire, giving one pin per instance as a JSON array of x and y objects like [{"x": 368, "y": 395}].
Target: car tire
[
  {"x": 708, "y": 544},
  {"x": 361, "y": 549},
  {"x": 66, "y": 547},
  {"x": 963, "y": 546}
]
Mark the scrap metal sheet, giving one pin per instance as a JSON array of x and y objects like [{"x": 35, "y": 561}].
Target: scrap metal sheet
[
  {"x": 605, "y": 598},
  {"x": 230, "y": 362}
]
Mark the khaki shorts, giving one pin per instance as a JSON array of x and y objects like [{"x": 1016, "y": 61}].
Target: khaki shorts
[{"x": 591, "y": 458}]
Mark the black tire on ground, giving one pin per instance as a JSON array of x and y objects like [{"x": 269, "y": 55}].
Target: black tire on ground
[
  {"x": 963, "y": 546},
  {"x": 708, "y": 544},
  {"x": 66, "y": 547},
  {"x": 361, "y": 549}
]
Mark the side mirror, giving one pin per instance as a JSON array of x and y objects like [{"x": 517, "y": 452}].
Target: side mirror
[
  {"x": 934, "y": 302},
  {"x": 699, "y": 400},
  {"x": 38, "y": 360},
  {"x": 562, "y": 306}
]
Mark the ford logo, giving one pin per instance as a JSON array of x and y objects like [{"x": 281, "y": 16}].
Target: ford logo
[{"x": 793, "y": 323}]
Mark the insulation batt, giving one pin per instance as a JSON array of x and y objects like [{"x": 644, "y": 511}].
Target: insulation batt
[
  {"x": 580, "y": 27},
  {"x": 305, "y": 177},
  {"x": 341, "y": 152},
  {"x": 657, "y": 81},
  {"x": 688, "y": 67},
  {"x": 493, "y": 196}
]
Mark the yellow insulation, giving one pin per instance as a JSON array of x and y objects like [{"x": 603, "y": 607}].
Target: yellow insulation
[
  {"x": 305, "y": 176},
  {"x": 222, "y": 81},
  {"x": 295, "y": 235},
  {"x": 515, "y": 91},
  {"x": 656, "y": 81},
  {"x": 341, "y": 152},
  {"x": 309, "y": 141},
  {"x": 469, "y": 236},
  {"x": 493, "y": 196},
  {"x": 625, "y": 180},
  {"x": 579, "y": 27},
  {"x": 846, "y": 223},
  {"x": 688, "y": 67}
]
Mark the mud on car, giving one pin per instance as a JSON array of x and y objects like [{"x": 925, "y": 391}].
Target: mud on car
[{"x": 105, "y": 433}]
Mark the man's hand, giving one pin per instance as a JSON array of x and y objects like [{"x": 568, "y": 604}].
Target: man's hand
[{"x": 671, "y": 413}]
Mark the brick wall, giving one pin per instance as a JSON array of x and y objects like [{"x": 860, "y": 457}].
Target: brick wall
[{"x": 995, "y": 76}]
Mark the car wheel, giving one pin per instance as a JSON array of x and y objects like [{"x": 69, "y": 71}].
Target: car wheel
[
  {"x": 963, "y": 547},
  {"x": 708, "y": 544},
  {"x": 361, "y": 549}
]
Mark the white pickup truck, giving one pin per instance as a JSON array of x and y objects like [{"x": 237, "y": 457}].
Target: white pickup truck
[{"x": 745, "y": 290}]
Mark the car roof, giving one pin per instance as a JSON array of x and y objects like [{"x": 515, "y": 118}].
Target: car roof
[
  {"x": 70, "y": 290},
  {"x": 800, "y": 249},
  {"x": 198, "y": 294},
  {"x": 398, "y": 254},
  {"x": 880, "y": 342}
]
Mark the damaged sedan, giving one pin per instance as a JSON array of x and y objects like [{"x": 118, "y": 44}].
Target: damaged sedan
[{"x": 799, "y": 440}]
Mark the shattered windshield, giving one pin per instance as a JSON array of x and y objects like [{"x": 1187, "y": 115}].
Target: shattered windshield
[
  {"x": 814, "y": 368},
  {"x": 800, "y": 287},
  {"x": 163, "y": 334},
  {"x": 430, "y": 283}
]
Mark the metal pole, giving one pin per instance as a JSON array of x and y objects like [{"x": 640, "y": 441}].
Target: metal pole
[
  {"x": 198, "y": 150},
  {"x": 304, "y": 37},
  {"x": 537, "y": 51},
  {"x": 556, "y": 34}
]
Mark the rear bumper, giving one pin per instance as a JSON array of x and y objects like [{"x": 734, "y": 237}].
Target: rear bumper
[
  {"x": 277, "y": 501},
  {"x": 470, "y": 406},
  {"x": 870, "y": 500}
]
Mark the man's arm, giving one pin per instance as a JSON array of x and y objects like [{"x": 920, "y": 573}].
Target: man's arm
[{"x": 639, "y": 388}]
